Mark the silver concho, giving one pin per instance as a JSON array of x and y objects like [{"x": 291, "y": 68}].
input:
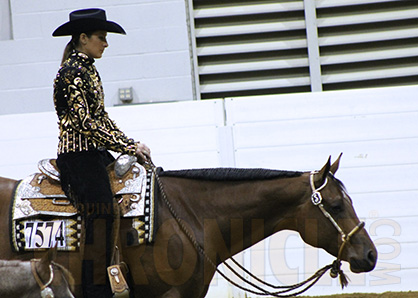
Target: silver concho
[
  {"x": 316, "y": 198},
  {"x": 47, "y": 293}
]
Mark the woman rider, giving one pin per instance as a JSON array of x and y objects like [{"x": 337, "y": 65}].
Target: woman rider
[{"x": 86, "y": 134}]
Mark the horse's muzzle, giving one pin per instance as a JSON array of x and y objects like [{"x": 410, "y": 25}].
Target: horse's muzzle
[{"x": 365, "y": 264}]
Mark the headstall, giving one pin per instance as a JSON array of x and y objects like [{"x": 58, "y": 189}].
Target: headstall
[
  {"x": 46, "y": 291},
  {"x": 317, "y": 201}
]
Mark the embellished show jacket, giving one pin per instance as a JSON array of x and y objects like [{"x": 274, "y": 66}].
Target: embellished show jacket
[{"x": 79, "y": 102}]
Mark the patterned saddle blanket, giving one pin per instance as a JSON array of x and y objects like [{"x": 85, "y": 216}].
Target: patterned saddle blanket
[{"x": 42, "y": 216}]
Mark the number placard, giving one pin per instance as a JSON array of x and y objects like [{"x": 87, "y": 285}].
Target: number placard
[{"x": 44, "y": 234}]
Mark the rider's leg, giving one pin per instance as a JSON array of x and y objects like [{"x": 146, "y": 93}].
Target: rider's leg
[{"x": 86, "y": 173}]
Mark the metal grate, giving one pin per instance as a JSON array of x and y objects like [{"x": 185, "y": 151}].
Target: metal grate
[
  {"x": 251, "y": 47},
  {"x": 368, "y": 43},
  {"x": 248, "y": 47}
]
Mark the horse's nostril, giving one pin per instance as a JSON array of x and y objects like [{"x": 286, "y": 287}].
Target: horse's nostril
[{"x": 371, "y": 256}]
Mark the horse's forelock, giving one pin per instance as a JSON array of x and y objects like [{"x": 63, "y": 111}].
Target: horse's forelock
[{"x": 339, "y": 183}]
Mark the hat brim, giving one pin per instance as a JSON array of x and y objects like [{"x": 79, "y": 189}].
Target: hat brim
[{"x": 87, "y": 25}]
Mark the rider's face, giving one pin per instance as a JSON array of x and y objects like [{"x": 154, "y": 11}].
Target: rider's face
[{"x": 94, "y": 45}]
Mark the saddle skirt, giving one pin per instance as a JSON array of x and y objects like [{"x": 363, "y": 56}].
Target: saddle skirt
[{"x": 39, "y": 201}]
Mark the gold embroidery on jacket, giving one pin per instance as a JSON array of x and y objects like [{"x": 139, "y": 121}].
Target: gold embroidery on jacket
[{"x": 79, "y": 101}]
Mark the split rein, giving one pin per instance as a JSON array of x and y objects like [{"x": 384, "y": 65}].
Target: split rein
[
  {"x": 285, "y": 291},
  {"x": 46, "y": 291}
]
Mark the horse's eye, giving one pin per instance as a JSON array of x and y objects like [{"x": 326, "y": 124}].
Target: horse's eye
[{"x": 337, "y": 208}]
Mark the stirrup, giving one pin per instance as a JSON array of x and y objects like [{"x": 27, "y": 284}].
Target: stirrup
[
  {"x": 120, "y": 288},
  {"x": 118, "y": 284}
]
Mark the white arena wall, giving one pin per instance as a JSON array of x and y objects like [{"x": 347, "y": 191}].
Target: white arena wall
[
  {"x": 376, "y": 129},
  {"x": 153, "y": 58}
]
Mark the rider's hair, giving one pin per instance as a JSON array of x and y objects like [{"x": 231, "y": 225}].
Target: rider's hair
[{"x": 72, "y": 45}]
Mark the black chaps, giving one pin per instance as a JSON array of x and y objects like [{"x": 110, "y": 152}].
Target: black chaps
[{"x": 84, "y": 179}]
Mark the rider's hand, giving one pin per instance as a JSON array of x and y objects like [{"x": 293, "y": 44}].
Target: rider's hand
[{"x": 143, "y": 153}]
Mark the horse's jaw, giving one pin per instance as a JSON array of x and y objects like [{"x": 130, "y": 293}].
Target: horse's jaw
[{"x": 360, "y": 260}]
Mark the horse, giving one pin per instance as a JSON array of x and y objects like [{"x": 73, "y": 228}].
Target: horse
[
  {"x": 206, "y": 216},
  {"x": 35, "y": 278}
]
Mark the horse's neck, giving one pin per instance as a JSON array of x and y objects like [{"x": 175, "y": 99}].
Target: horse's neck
[
  {"x": 268, "y": 200},
  {"x": 242, "y": 214}
]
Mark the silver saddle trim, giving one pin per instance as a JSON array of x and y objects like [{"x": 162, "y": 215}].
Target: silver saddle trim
[
  {"x": 48, "y": 169},
  {"x": 23, "y": 208},
  {"x": 136, "y": 188},
  {"x": 122, "y": 165}
]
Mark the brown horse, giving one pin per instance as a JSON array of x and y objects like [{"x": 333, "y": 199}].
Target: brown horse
[
  {"x": 224, "y": 211},
  {"x": 35, "y": 278}
]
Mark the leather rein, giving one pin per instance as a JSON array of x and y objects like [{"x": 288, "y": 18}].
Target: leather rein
[
  {"x": 46, "y": 291},
  {"x": 285, "y": 291}
]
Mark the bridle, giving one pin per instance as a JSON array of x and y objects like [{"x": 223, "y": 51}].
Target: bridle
[
  {"x": 316, "y": 199},
  {"x": 46, "y": 291}
]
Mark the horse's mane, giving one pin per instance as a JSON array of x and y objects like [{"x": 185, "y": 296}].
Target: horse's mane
[{"x": 230, "y": 174}]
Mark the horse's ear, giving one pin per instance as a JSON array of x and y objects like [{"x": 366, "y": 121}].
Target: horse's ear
[
  {"x": 43, "y": 265},
  {"x": 336, "y": 164},
  {"x": 49, "y": 256},
  {"x": 323, "y": 173}
]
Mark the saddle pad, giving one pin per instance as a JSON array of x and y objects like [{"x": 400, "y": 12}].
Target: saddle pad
[
  {"x": 42, "y": 216},
  {"x": 43, "y": 233}
]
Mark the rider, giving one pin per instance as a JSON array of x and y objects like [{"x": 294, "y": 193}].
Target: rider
[{"x": 86, "y": 135}]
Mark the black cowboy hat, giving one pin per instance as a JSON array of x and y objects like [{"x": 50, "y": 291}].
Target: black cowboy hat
[{"x": 87, "y": 20}]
